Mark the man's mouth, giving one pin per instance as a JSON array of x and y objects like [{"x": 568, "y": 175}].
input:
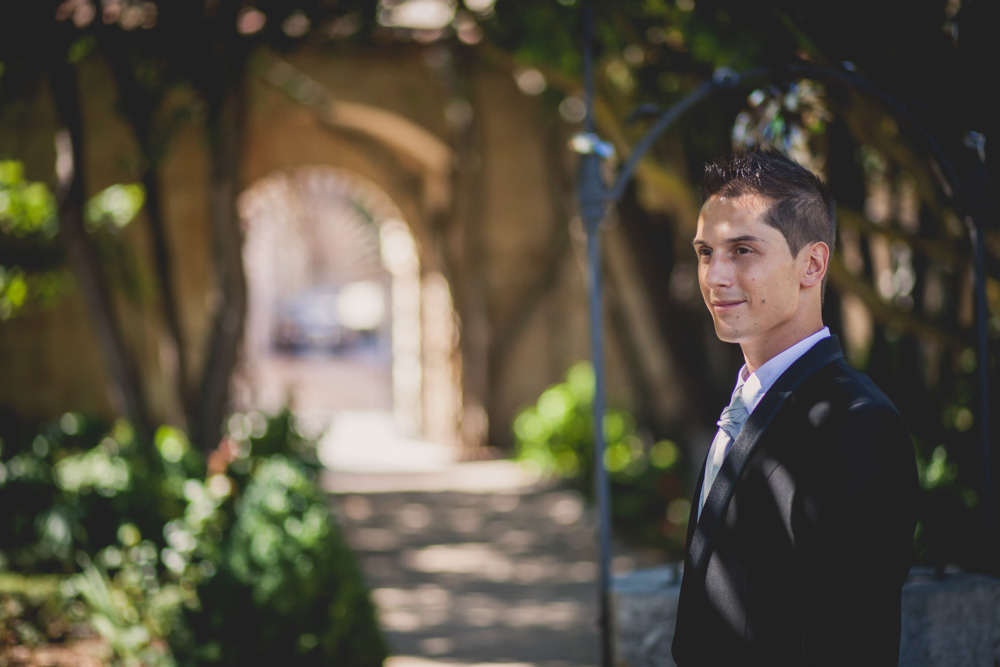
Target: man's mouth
[{"x": 722, "y": 305}]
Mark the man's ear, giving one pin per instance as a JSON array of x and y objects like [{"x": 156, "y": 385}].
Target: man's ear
[{"x": 817, "y": 261}]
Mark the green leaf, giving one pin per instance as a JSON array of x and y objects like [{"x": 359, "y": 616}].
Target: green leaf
[{"x": 115, "y": 206}]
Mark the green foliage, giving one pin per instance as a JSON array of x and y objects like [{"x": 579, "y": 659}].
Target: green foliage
[
  {"x": 72, "y": 482},
  {"x": 277, "y": 435},
  {"x": 128, "y": 612},
  {"x": 179, "y": 559},
  {"x": 107, "y": 216},
  {"x": 539, "y": 33},
  {"x": 287, "y": 588},
  {"x": 948, "y": 530},
  {"x": 790, "y": 118},
  {"x": 32, "y": 265},
  {"x": 25, "y": 207},
  {"x": 555, "y": 436},
  {"x": 115, "y": 206},
  {"x": 85, "y": 495},
  {"x": 31, "y": 610},
  {"x": 30, "y": 270}
]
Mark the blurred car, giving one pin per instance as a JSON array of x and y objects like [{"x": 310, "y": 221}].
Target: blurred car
[{"x": 308, "y": 320}]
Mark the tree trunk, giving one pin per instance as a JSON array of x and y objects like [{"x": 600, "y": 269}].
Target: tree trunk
[
  {"x": 127, "y": 393},
  {"x": 226, "y": 127},
  {"x": 652, "y": 244},
  {"x": 138, "y": 108}
]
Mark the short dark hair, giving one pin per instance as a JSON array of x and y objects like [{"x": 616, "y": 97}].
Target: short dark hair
[{"x": 803, "y": 210}]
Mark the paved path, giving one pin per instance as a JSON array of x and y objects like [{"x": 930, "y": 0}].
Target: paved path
[{"x": 469, "y": 563}]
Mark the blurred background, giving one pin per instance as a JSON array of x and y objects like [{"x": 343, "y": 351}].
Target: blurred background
[{"x": 237, "y": 235}]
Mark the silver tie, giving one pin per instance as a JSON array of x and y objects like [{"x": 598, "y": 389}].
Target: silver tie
[{"x": 730, "y": 423}]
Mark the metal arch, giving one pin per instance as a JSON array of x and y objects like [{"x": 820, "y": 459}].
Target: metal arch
[
  {"x": 725, "y": 79},
  {"x": 595, "y": 197}
]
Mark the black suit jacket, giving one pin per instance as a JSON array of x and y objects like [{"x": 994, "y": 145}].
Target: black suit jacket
[{"x": 806, "y": 537}]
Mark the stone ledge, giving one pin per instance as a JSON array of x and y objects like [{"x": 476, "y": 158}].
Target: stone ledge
[
  {"x": 951, "y": 620},
  {"x": 948, "y": 620}
]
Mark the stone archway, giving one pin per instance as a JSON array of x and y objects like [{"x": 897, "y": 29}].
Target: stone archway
[
  {"x": 467, "y": 159},
  {"x": 318, "y": 240}
]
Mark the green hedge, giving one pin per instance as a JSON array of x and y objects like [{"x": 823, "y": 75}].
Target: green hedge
[{"x": 176, "y": 558}]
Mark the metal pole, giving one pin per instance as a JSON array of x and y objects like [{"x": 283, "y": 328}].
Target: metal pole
[
  {"x": 972, "y": 22},
  {"x": 978, "y": 208},
  {"x": 983, "y": 362},
  {"x": 593, "y": 198},
  {"x": 600, "y": 472}
]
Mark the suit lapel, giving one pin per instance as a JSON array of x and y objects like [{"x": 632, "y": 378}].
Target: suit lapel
[{"x": 700, "y": 539}]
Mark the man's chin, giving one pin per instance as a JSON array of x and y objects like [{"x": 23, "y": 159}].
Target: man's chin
[{"x": 726, "y": 334}]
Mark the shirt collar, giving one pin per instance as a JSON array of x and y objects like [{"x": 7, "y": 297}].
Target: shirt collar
[{"x": 758, "y": 382}]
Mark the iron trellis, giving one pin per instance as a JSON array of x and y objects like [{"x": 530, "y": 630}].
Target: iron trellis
[{"x": 595, "y": 197}]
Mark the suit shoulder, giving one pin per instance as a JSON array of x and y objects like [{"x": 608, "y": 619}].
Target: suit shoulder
[
  {"x": 849, "y": 413},
  {"x": 843, "y": 408},
  {"x": 848, "y": 387}
]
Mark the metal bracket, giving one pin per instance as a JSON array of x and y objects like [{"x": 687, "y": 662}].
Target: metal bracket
[
  {"x": 976, "y": 141},
  {"x": 588, "y": 143}
]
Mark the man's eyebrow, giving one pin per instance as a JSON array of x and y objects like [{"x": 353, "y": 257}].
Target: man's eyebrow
[{"x": 746, "y": 238}]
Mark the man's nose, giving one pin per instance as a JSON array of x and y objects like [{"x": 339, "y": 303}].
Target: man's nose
[{"x": 718, "y": 271}]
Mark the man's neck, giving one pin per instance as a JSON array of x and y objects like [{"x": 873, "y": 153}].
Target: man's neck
[
  {"x": 759, "y": 354},
  {"x": 756, "y": 384}
]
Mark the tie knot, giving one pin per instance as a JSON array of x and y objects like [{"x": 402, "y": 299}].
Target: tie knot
[{"x": 735, "y": 414}]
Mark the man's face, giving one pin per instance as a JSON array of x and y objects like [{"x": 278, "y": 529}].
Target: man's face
[{"x": 748, "y": 276}]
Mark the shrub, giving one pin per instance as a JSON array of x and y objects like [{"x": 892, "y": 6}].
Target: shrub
[
  {"x": 287, "y": 588},
  {"x": 230, "y": 559},
  {"x": 949, "y": 530},
  {"x": 69, "y": 486},
  {"x": 649, "y": 506}
]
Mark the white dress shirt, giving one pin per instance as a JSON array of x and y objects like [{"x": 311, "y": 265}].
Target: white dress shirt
[{"x": 756, "y": 385}]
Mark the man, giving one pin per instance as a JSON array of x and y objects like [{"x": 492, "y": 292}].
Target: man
[{"x": 801, "y": 528}]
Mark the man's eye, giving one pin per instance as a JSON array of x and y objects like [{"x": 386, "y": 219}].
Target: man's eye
[
  {"x": 704, "y": 252},
  {"x": 742, "y": 250}
]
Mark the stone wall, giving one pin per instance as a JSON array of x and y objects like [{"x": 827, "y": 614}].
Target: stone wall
[
  {"x": 480, "y": 172},
  {"x": 948, "y": 621}
]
